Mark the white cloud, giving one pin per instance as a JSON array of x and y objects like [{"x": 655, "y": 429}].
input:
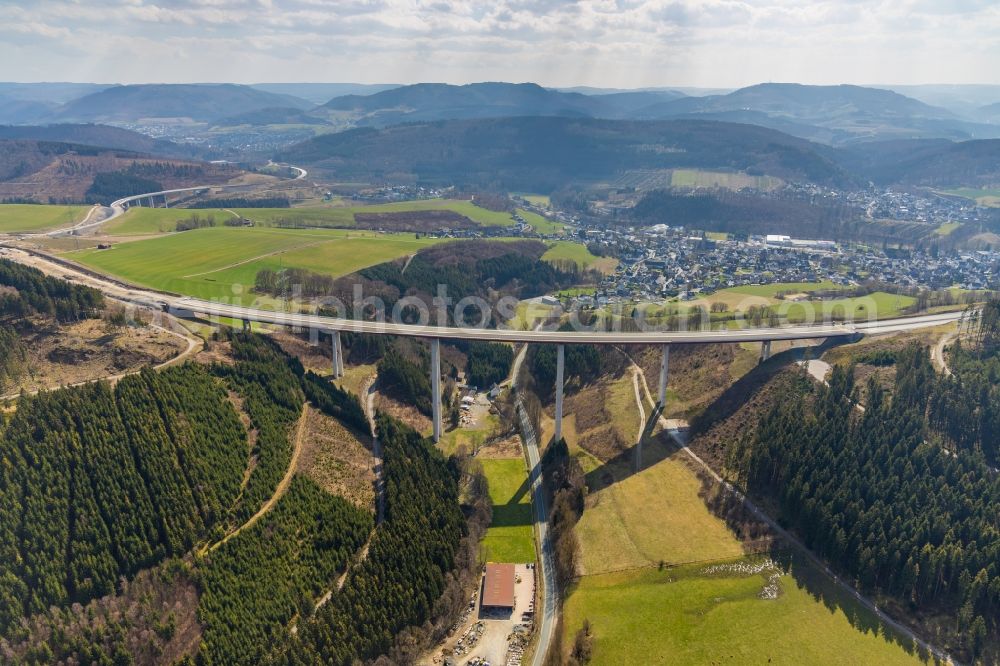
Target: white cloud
[{"x": 555, "y": 42}]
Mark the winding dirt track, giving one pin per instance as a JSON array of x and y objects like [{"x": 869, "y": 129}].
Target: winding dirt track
[
  {"x": 282, "y": 486},
  {"x": 194, "y": 344}
]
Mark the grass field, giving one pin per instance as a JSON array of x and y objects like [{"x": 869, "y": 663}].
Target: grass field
[
  {"x": 770, "y": 290},
  {"x": 692, "y": 178},
  {"x": 577, "y": 252},
  {"x": 16, "y": 218},
  {"x": 470, "y": 438},
  {"x": 983, "y": 197},
  {"x": 540, "y": 224},
  {"x": 510, "y": 537},
  {"x": 528, "y": 313},
  {"x": 221, "y": 262},
  {"x": 146, "y": 221},
  {"x": 947, "y": 228},
  {"x": 542, "y": 200},
  {"x": 160, "y": 220},
  {"x": 877, "y": 303},
  {"x": 654, "y": 515},
  {"x": 708, "y": 605},
  {"x": 880, "y": 304},
  {"x": 701, "y": 617}
]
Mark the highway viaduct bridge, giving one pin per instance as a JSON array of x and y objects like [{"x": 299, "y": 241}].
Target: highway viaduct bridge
[
  {"x": 665, "y": 339},
  {"x": 184, "y": 306},
  {"x": 334, "y": 326}
]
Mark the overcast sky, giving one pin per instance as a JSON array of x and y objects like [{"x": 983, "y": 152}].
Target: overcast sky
[{"x": 628, "y": 43}]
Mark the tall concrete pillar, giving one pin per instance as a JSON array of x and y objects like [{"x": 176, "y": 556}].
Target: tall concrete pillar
[
  {"x": 765, "y": 350},
  {"x": 664, "y": 368},
  {"x": 560, "y": 371},
  {"x": 436, "y": 386},
  {"x": 340, "y": 352},
  {"x": 335, "y": 354}
]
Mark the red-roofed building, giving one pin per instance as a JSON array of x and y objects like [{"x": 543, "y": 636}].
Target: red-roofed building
[{"x": 498, "y": 586}]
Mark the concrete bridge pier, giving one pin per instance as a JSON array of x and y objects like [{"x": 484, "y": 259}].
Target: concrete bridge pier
[
  {"x": 664, "y": 368},
  {"x": 340, "y": 352},
  {"x": 765, "y": 350},
  {"x": 336, "y": 356},
  {"x": 436, "y": 386},
  {"x": 560, "y": 372},
  {"x": 246, "y": 325}
]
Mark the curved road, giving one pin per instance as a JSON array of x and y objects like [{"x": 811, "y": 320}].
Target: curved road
[
  {"x": 119, "y": 206},
  {"x": 185, "y": 304},
  {"x": 149, "y": 298}
]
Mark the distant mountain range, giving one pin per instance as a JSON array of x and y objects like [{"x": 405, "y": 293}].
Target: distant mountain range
[
  {"x": 547, "y": 153},
  {"x": 518, "y": 153},
  {"x": 440, "y": 101},
  {"x": 282, "y": 115},
  {"x": 199, "y": 102},
  {"x": 527, "y": 136},
  {"x": 319, "y": 93},
  {"x": 835, "y": 115},
  {"x": 102, "y": 136},
  {"x": 830, "y": 114}
]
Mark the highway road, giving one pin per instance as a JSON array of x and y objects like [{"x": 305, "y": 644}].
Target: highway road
[
  {"x": 546, "y": 553},
  {"x": 119, "y": 206},
  {"x": 182, "y": 304},
  {"x": 149, "y": 298}
]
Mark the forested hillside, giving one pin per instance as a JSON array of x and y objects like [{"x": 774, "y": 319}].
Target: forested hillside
[
  {"x": 398, "y": 585},
  {"x": 268, "y": 383},
  {"x": 257, "y": 582},
  {"x": 33, "y": 292},
  {"x": 99, "y": 484},
  {"x": 485, "y": 269},
  {"x": 883, "y": 497},
  {"x": 582, "y": 364},
  {"x": 543, "y": 154},
  {"x": 96, "y": 484},
  {"x": 749, "y": 212}
]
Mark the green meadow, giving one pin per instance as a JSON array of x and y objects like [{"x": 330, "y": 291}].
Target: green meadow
[
  {"x": 770, "y": 290},
  {"x": 722, "y": 614},
  {"x": 15, "y": 218},
  {"x": 578, "y": 253},
  {"x": 876, "y": 304},
  {"x": 693, "y": 178},
  {"x": 984, "y": 197},
  {"x": 145, "y": 221},
  {"x": 542, "y": 200},
  {"x": 222, "y": 262},
  {"x": 139, "y": 221},
  {"x": 539, "y": 223},
  {"x": 511, "y": 536}
]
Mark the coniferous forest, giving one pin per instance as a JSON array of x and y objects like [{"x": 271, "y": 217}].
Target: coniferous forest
[
  {"x": 399, "y": 582},
  {"x": 37, "y": 293},
  {"x": 99, "y": 484},
  {"x": 893, "y": 493}
]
